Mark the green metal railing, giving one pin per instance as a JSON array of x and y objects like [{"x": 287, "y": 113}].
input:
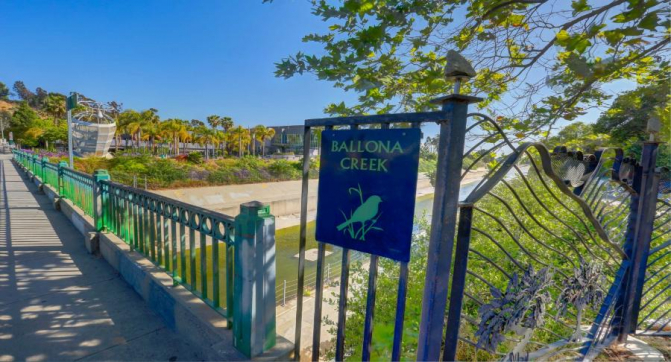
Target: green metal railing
[
  {"x": 78, "y": 188},
  {"x": 50, "y": 173},
  {"x": 192, "y": 244}
]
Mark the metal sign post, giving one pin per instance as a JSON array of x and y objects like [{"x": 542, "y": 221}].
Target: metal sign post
[{"x": 69, "y": 105}]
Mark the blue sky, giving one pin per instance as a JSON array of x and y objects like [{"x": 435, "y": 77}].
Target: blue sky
[{"x": 188, "y": 59}]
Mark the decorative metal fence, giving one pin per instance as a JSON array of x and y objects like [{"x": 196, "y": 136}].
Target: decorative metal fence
[
  {"x": 654, "y": 315},
  {"x": 546, "y": 260}
]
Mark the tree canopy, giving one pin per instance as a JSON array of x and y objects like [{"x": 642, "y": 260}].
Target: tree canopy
[{"x": 538, "y": 61}]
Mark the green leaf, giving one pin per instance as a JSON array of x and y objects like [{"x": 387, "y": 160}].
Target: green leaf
[
  {"x": 580, "y": 6},
  {"x": 563, "y": 37},
  {"x": 650, "y": 21}
]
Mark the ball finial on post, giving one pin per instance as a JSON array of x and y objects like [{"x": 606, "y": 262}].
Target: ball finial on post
[{"x": 457, "y": 68}]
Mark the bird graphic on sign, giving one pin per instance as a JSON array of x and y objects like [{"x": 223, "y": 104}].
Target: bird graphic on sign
[{"x": 367, "y": 211}]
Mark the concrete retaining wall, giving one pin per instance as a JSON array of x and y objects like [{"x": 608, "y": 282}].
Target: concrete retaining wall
[{"x": 283, "y": 197}]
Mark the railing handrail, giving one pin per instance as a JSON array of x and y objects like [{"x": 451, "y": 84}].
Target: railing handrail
[
  {"x": 180, "y": 204},
  {"x": 78, "y": 173}
]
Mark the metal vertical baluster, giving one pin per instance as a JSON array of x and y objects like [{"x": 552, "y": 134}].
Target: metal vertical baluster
[
  {"x": 133, "y": 218},
  {"x": 229, "y": 282},
  {"x": 173, "y": 240},
  {"x": 458, "y": 283},
  {"x": 370, "y": 308},
  {"x": 182, "y": 249},
  {"x": 319, "y": 295},
  {"x": 192, "y": 255},
  {"x": 203, "y": 262},
  {"x": 215, "y": 269},
  {"x": 370, "y": 298},
  {"x": 141, "y": 223},
  {"x": 159, "y": 233},
  {"x": 342, "y": 302},
  {"x": 151, "y": 214},
  {"x": 166, "y": 240},
  {"x": 400, "y": 312},
  {"x": 400, "y": 297},
  {"x": 342, "y": 305},
  {"x": 302, "y": 241}
]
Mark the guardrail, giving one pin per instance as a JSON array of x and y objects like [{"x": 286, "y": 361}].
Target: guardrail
[{"x": 192, "y": 244}]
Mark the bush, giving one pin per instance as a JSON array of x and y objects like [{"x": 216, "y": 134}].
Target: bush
[
  {"x": 195, "y": 157},
  {"x": 284, "y": 170}
]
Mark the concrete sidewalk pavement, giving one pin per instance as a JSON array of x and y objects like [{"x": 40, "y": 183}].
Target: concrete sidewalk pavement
[{"x": 57, "y": 302}]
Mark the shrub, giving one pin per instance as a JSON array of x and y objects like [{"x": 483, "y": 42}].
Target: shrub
[
  {"x": 195, "y": 157},
  {"x": 284, "y": 170}
]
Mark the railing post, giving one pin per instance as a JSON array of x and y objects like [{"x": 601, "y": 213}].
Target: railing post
[
  {"x": 61, "y": 168},
  {"x": 642, "y": 233},
  {"x": 33, "y": 162},
  {"x": 45, "y": 160},
  {"x": 254, "y": 285},
  {"x": 99, "y": 200},
  {"x": 443, "y": 224}
]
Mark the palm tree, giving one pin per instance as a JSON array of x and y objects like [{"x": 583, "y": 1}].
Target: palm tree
[
  {"x": 55, "y": 106},
  {"x": 130, "y": 123},
  {"x": 226, "y": 123},
  {"x": 256, "y": 130},
  {"x": 262, "y": 135},
  {"x": 206, "y": 136},
  {"x": 149, "y": 124},
  {"x": 241, "y": 135},
  {"x": 214, "y": 121},
  {"x": 173, "y": 129}
]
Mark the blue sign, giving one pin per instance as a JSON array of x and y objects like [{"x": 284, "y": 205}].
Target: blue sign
[{"x": 367, "y": 186}]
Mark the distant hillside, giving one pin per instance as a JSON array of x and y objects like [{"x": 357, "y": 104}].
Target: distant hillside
[{"x": 7, "y": 106}]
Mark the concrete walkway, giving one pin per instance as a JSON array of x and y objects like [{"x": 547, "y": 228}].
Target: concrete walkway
[{"x": 57, "y": 302}]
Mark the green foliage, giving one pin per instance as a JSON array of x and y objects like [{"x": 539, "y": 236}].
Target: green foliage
[
  {"x": 285, "y": 170},
  {"x": 391, "y": 53},
  {"x": 4, "y": 91},
  {"x": 195, "y": 157},
  {"x": 385, "y": 306},
  {"x": 580, "y": 136},
  {"x": 24, "y": 117}
]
